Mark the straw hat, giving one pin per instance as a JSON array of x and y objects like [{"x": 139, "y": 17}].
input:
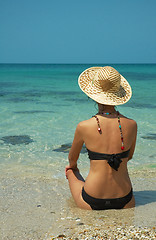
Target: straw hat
[{"x": 105, "y": 85}]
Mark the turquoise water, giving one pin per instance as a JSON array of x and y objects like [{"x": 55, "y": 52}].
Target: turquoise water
[{"x": 42, "y": 104}]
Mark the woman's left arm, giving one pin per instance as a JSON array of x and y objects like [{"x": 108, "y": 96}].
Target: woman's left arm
[{"x": 76, "y": 147}]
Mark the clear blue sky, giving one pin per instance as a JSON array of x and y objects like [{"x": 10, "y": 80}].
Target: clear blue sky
[{"x": 77, "y": 31}]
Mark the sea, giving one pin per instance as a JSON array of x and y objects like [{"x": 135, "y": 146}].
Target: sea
[{"x": 40, "y": 107}]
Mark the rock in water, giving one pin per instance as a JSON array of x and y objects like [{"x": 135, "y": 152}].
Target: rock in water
[
  {"x": 66, "y": 148},
  {"x": 150, "y": 136},
  {"x": 16, "y": 140}
]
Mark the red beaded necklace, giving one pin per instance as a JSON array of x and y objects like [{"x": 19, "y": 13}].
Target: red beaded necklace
[
  {"x": 122, "y": 146},
  {"x": 100, "y": 131}
]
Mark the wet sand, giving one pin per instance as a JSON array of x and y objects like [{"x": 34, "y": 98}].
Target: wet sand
[{"x": 36, "y": 205}]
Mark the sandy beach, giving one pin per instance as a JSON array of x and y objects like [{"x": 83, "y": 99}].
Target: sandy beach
[{"x": 38, "y": 206}]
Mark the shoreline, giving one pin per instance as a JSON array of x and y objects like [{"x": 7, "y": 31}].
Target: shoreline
[{"x": 36, "y": 205}]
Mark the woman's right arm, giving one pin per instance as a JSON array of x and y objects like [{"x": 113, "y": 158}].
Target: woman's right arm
[{"x": 76, "y": 147}]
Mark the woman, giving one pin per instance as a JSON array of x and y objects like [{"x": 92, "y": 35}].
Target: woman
[{"x": 110, "y": 141}]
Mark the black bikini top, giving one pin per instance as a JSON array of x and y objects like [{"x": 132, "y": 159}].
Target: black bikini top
[{"x": 113, "y": 160}]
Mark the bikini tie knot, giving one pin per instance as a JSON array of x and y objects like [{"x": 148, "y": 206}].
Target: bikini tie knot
[{"x": 114, "y": 161}]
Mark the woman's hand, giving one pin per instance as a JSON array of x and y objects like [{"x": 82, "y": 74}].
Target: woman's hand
[{"x": 68, "y": 167}]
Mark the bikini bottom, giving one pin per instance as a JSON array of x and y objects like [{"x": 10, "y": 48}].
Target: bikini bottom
[{"x": 104, "y": 204}]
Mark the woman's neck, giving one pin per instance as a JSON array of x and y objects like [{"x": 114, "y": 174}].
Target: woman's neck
[{"x": 106, "y": 108}]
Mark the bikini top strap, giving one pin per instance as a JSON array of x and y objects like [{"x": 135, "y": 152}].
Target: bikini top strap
[{"x": 98, "y": 123}]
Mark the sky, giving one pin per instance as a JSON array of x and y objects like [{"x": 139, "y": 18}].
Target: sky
[{"x": 78, "y": 31}]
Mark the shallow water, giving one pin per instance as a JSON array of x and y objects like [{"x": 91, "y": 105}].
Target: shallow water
[{"x": 44, "y": 103}]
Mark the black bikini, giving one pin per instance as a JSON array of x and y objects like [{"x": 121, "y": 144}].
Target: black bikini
[
  {"x": 105, "y": 204},
  {"x": 114, "y": 161}
]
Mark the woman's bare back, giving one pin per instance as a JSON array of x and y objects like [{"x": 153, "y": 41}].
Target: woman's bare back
[{"x": 102, "y": 180}]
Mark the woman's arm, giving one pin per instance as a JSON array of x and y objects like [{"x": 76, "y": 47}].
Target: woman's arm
[{"x": 76, "y": 147}]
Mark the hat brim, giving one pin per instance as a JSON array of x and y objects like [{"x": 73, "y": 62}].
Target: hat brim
[{"x": 119, "y": 97}]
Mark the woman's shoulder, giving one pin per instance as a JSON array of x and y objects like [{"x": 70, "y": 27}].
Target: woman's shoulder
[
  {"x": 128, "y": 119},
  {"x": 85, "y": 123},
  {"x": 131, "y": 122}
]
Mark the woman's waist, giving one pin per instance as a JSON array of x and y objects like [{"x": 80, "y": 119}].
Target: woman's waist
[
  {"x": 107, "y": 187},
  {"x": 100, "y": 169}
]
